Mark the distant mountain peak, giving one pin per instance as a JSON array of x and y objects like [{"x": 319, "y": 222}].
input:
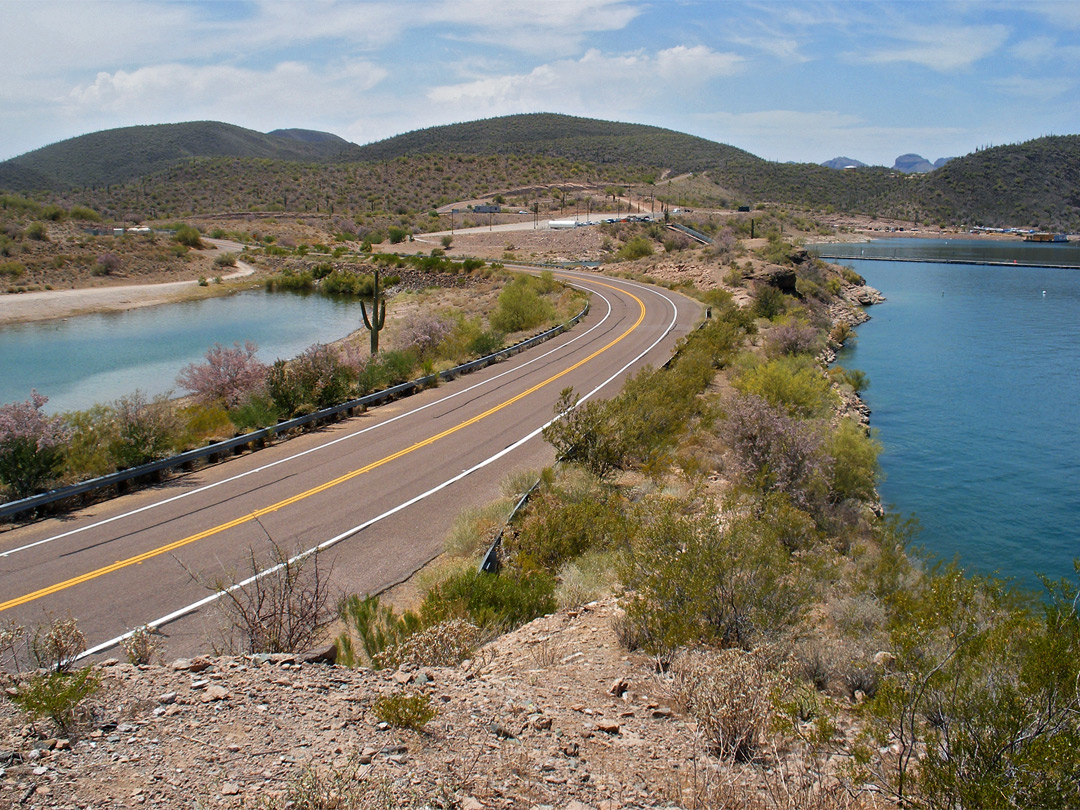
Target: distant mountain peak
[
  {"x": 843, "y": 163},
  {"x": 912, "y": 163}
]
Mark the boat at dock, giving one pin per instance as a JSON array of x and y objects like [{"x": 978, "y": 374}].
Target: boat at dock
[{"x": 1048, "y": 238}]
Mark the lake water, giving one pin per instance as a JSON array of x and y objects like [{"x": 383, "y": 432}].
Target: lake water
[
  {"x": 975, "y": 392},
  {"x": 97, "y": 358}
]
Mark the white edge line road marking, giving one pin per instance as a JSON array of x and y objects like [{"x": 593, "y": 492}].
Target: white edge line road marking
[
  {"x": 333, "y": 541},
  {"x": 322, "y": 446}
]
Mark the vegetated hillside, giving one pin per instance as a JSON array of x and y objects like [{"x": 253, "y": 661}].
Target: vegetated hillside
[
  {"x": 1032, "y": 184},
  {"x": 403, "y": 187},
  {"x": 120, "y": 155},
  {"x": 562, "y": 136},
  {"x": 310, "y": 136}
]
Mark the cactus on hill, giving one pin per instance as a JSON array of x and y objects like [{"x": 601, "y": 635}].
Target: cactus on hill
[{"x": 378, "y": 315}]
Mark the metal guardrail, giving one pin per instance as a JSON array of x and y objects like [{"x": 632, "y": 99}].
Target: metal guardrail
[
  {"x": 490, "y": 562},
  {"x": 697, "y": 235},
  {"x": 256, "y": 437}
]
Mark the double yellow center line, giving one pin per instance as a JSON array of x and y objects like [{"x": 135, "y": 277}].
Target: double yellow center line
[{"x": 165, "y": 549}]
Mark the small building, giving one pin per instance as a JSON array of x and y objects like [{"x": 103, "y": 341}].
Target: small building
[{"x": 486, "y": 209}]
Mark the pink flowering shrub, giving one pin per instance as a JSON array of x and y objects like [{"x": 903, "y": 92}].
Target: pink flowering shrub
[
  {"x": 31, "y": 446},
  {"x": 424, "y": 331},
  {"x": 227, "y": 377}
]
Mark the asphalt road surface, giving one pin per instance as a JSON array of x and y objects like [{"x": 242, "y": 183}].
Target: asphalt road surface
[{"x": 377, "y": 492}]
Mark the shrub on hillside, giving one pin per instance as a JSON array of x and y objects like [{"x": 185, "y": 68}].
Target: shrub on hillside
[
  {"x": 229, "y": 375},
  {"x": 501, "y": 602},
  {"x": 520, "y": 307},
  {"x": 792, "y": 338},
  {"x": 144, "y": 431},
  {"x": 795, "y": 385},
  {"x": 691, "y": 581},
  {"x": 31, "y": 446},
  {"x": 773, "y": 452}
]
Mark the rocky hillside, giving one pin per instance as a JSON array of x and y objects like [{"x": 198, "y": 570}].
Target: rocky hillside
[{"x": 556, "y": 714}]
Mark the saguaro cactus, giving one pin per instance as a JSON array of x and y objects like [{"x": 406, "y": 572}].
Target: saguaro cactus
[{"x": 378, "y": 315}]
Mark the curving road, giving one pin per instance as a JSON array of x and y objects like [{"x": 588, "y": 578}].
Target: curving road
[{"x": 377, "y": 492}]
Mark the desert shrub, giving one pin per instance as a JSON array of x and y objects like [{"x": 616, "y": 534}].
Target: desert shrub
[
  {"x": 585, "y": 579},
  {"x": 314, "y": 379},
  {"x": 854, "y": 378},
  {"x": 188, "y": 236},
  {"x": 424, "y": 332},
  {"x": 56, "y": 644},
  {"x": 689, "y": 581},
  {"x": 852, "y": 277},
  {"x": 637, "y": 248},
  {"x": 854, "y": 467},
  {"x": 84, "y": 214},
  {"x": 280, "y": 605},
  {"x": 202, "y": 423},
  {"x": 106, "y": 264},
  {"x": 289, "y": 281},
  {"x": 375, "y": 625},
  {"x": 57, "y": 696},
  {"x": 339, "y": 788},
  {"x": 520, "y": 307},
  {"x": 793, "y": 384},
  {"x": 792, "y": 338},
  {"x": 257, "y": 411},
  {"x": 485, "y": 343},
  {"x": 229, "y": 375},
  {"x": 86, "y": 451},
  {"x": 501, "y": 602},
  {"x": 560, "y": 527},
  {"x": 141, "y": 647},
  {"x": 31, "y": 446},
  {"x": 446, "y": 644},
  {"x": 11, "y": 270},
  {"x": 728, "y": 692},
  {"x": 397, "y": 366},
  {"x": 981, "y": 703},
  {"x": 585, "y": 434},
  {"x": 143, "y": 431},
  {"x": 773, "y": 452},
  {"x": 397, "y": 235},
  {"x": 769, "y": 302},
  {"x": 225, "y": 260},
  {"x": 405, "y": 710},
  {"x": 37, "y": 232}
]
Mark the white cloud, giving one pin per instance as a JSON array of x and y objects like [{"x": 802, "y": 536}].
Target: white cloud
[
  {"x": 944, "y": 48},
  {"x": 282, "y": 96},
  {"x": 1045, "y": 50},
  {"x": 611, "y": 80},
  {"x": 1035, "y": 89}
]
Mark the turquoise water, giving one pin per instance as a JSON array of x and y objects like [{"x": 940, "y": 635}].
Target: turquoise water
[
  {"x": 97, "y": 358},
  {"x": 975, "y": 392}
]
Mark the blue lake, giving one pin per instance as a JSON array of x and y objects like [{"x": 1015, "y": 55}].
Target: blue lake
[
  {"x": 97, "y": 358},
  {"x": 975, "y": 392}
]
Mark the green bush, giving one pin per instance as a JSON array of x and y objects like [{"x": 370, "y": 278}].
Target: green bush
[
  {"x": 637, "y": 248},
  {"x": 412, "y": 711},
  {"x": 376, "y": 626},
  {"x": 520, "y": 307},
  {"x": 501, "y": 602},
  {"x": 37, "y": 232},
  {"x": 188, "y": 236},
  {"x": 397, "y": 235},
  {"x": 793, "y": 384},
  {"x": 692, "y": 581},
  {"x": 854, "y": 467},
  {"x": 56, "y": 696},
  {"x": 562, "y": 525},
  {"x": 12, "y": 270},
  {"x": 769, "y": 302},
  {"x": 225, "y": 260},
  {"x": 84, "y": 214},
  {"x": 257, "y": 411}
]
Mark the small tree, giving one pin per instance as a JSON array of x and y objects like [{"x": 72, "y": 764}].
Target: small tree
[
  {"x": 144, "y": 430},
  {"x": 31, "y": 446},
  {"x": 228, "y": 376}
]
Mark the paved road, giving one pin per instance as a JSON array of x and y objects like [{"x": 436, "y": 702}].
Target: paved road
[{"x": 379, "y": 492}]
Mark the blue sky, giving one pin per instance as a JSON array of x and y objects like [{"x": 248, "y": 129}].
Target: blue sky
[{"x": 804, "y": 81}]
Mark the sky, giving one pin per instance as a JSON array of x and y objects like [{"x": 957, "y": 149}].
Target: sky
[{"x": 788, "y": 81}]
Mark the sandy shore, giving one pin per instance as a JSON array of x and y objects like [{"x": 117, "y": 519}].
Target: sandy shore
[{"x": 53, "y": 304}]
